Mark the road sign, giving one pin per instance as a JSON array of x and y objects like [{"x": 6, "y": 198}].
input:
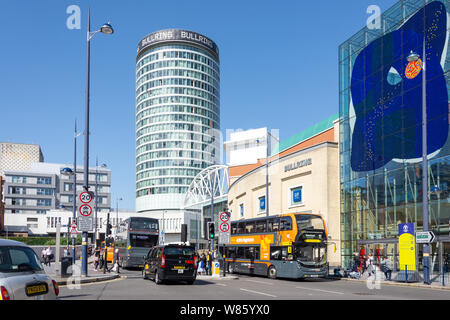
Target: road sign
[
  {"x": 85, "y": 210},
  {"x": 85, "y": 224},
  {"x": 224, "y": 227},
  {"x": 425, "y": 237},
  {"x": 86, "y": 197},
  {"x": 224, "y": 216},
  {"x": 73, "y": 230}
]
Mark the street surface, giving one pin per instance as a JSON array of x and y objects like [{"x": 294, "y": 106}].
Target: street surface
[{"x": 132, "y": 287}]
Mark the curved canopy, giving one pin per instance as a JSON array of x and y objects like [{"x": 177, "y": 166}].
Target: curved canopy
[{"x": 212, "y": 178}]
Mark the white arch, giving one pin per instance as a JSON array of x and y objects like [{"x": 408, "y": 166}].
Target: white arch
[{"x": 212, "y": 178}]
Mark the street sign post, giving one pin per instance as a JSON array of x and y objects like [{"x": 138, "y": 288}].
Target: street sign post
[
  {"x": 425, "y": 237},
  {"x": 73, "y": 230},
  {"x": 224, "y": 228}
]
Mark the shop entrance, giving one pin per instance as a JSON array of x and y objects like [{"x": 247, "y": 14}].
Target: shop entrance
[
  {"x": 380, "y": 248},
  {"x": 439, "y": 255}
]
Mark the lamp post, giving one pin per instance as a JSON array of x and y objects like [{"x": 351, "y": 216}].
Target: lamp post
[
  {"x": 266, "y": 200},
  {"x": 413, "y": 57},
  {"x": 106, "y": 29},
  {"x": 96, "y": 201},
  {"x": 73, "y": 173},
  {"x": 117, "y": 215}
]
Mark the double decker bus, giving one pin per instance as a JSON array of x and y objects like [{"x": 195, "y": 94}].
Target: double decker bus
[
  {"x": 135, "y": 237},
  {"x": 282, "y": 246}
]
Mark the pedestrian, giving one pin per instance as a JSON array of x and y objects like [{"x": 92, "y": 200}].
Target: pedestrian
[
  {"x": 209, "y": 265},
  {"x": 370, "y": 266},
  {"x": 363, "y": 264},
  {"x": 201, "y": 267},
  {"x": 49, "y": 255},
  {"x": 44, "y": 256},
  {"x": 387, "y": 268},
  {"x": 116, "y": 260},
  {"x": 96, "y": 259}
]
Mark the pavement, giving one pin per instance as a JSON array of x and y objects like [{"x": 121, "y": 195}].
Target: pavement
[
  {"x": 379, "y": 279},
  {"x": 76, "y": 278}
]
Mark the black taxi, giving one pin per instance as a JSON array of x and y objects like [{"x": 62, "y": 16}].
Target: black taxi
[{"x": 170, "y": 262}]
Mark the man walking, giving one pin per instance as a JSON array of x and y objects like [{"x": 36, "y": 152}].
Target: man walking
[{"x": 387, "y": 268}]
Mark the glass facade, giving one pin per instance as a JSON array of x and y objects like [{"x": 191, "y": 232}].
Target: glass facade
[
  {"x": 381, "y": 125},
  {"x": 177, "y": 111}
]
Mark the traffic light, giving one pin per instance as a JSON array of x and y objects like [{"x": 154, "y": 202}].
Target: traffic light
[
  {"x": 211, "y": 230},
  {"x": 108, "y": 226}
]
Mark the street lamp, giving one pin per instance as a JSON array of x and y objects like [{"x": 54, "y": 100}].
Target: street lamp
[
  {"x": 117, "y": 214},
  {"x": 106, "y": 29},
  {"x": 96, "y": 201},
  {"x": 69, "y": 172},
  {"x": 414, "y": 57}
]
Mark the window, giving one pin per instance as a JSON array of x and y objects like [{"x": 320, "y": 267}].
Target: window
[
  {"x": 285, "y": 223},
  {"x": 296, "y": 196},
  {"x": 274, "y": 225},
  {"x": 44, "y": 192},
  {"x": 278, "y": 253},
  {"x": 241, "y": 227},
  {"x": 262, "y": 204},
  {"x": 233, "y": 228},
  {"x": 44, "y": 202},
  {"x": 44, "y": 180},
  {"x": 250, "y": 227},
  {"x": 261, "y": 226},
  {"x": 241, "y": 210}
]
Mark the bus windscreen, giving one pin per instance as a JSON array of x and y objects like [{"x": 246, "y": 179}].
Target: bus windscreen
[
  {"x": 309, "y": 222},
  {"x": 143, "y": 240}
]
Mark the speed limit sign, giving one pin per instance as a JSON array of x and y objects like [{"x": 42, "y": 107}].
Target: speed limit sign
[
  {"x": 85, "y": 210},
  {"x": 86, "y": 197}
]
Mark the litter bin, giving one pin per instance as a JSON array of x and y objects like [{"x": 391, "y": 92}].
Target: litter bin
[{"x": 66, "y": 262}]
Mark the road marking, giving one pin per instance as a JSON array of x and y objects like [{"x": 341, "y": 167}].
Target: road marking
[
  {"x": 221, "y": 284},
  {"x": 259, "y": 282},
  {"x": 334, "y": 292},
  {"x": 265, "y": 294}
]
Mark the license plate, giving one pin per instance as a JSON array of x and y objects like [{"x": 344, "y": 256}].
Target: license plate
[
  {"x": 180, "y": 271},
  {"x": 179, "y": 267},
  {"x": 312, "y": 276},
  {"x": 35, "y": 290}
]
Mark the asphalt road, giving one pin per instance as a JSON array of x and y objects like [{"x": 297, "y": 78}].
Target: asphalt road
[{"x": 132, "y": 287}]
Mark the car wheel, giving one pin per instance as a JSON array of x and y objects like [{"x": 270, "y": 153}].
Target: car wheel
[
  {"x": 157, "y": 278},
  {"x": 144, "y": 276},
  {"x": 272, "y": 273}
]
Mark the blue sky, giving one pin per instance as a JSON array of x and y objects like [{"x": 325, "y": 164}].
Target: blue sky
[{"x": 279, "y": 69}]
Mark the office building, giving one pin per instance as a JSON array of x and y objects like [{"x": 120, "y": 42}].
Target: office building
[{"x": 177, "y": 117}]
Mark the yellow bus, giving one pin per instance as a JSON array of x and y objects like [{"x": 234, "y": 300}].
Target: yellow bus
[{"x": 282, "y": 246}]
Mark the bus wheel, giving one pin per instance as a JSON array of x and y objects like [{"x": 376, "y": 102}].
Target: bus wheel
[{"x": 272, "y": 273}]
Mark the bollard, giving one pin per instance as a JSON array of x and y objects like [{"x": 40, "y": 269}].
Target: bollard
[{"x": 406, "y": 273}]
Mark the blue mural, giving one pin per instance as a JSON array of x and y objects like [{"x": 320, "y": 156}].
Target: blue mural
[{"x": 388, "y": 105}]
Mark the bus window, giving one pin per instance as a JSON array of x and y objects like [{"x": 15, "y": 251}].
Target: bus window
[
  {"x": 241, "y": 227},
  {"x": 240, "y": 252},
  {"x": 274, "y": 225},
  {"x": 233, "y": 228},
  {"x": 250, "y": 227},
  {"x": 251, "y": 253},
  {"x": 275, "y": 253},
  {"x": 261, "y": 226},
  {"x": 286, "y": 223}
]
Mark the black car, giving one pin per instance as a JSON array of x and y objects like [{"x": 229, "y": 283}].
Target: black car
[{"x": 170, "y": 262}]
